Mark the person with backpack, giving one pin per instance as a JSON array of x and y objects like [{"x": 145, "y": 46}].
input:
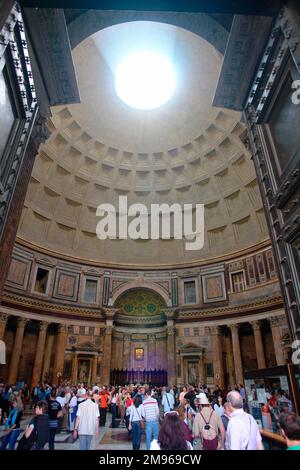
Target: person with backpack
[
  {"x": 207, "y": 427},
  {"x": 36, "y": 434}
]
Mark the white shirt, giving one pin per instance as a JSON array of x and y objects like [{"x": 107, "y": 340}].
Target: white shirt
[
  {"x": 73, "y": 402},
  {"x": 168, "y": 402},
  {"x": 61, "y": 401},
  {"x": 88, "y": 413},
  {"x": 155, "y": 445},
  {"x": 219, "y": 409},
  {"x": 242, "y": 432}
]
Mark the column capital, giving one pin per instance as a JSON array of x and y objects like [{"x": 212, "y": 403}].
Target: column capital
[
  {"x": 256, "y": 325},
  {"x": 170, "y": 313},
  {"x": 234, "y": 327},
  {"x": 171, "y": 330},
  {"x": 21, "y": 322},
  {"x": 4, "y": 317},
  {"x": 274, "y": 321},
  {"x": 62, "y": 328},
  {"x": 152, "y": 338},
  {"x": 127, "y": 337},
  {"x": 110, "y": 312},
  {"x": 43, "y": 325},
  {"x": 215, "y": 330}
]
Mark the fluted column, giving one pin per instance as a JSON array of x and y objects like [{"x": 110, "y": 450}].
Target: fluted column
[
  {"x": 15, "y": 358},
  {"x": 215, "y": 332},
  {"x": 94, "y": 369},
  {"x": 126, "y": 352},
  {"x": 106, "y": 361},
  {"x": 239, "y": 376},
  {"x": 182, "y": 369},
  {"x": 274, "y": 322},
  {"x": 259, "y": 347},
  {"x": 151, "y": 351},
  {"x": 61, "y": 341},
  {"x": 202, "y": 378},
  {"x": 3, "y": 322},
  {"x": 47, "y": 359},
  {"x": 39, "y": 354},
  {"x": 74, "y": 373},
  {"x": 171, "y": 358}
]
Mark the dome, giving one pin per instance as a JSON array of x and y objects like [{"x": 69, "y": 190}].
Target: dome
[{"x": 185, "y": 151}]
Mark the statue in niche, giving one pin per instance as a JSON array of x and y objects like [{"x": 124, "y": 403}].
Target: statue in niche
[{"x": 193, "y": 374}]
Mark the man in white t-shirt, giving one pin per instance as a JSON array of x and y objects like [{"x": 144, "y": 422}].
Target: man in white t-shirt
[
  {"x": 87, "y": 422},
  {"x": 242, "y": 431}
]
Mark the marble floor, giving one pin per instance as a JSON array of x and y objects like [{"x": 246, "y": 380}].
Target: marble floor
[{"x": 108, "y": 438}]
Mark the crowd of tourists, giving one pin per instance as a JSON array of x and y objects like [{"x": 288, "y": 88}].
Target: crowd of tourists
[{"x": 189, "y": 418}]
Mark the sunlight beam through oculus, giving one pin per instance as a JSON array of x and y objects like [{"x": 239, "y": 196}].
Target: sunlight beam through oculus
[{"x": 145, "y": 80}]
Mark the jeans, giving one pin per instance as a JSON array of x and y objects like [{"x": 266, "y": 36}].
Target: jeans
[
  {"x": 103, "y": 416},
  {"x": 136, "y": 435},
  {"x": 52, "y": 433},
  {"x": 85, "y": 441},
  {"x": 114, "y": 411},
  {"x": 10, "y": 439},
  {"x": 151, "y": 432}
]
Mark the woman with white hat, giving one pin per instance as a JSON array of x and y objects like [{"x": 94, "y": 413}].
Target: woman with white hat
[{"x": 207, "y": 427}]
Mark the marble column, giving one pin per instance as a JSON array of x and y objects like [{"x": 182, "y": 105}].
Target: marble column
[
  {"x": 237, "y": 358},
  {"x": 16, "y": 352},
  {"x": 151, "y": 351},
  {"x": 126, "y": 352},
  {"x": 230, "y": 363},
  {"x": 182, "y": 369},
  {"x": 259, "y": 347},
  {"x": 74, "y": 373},
  {"x": 216, "y": 336},
  {"x": 94, "y": 369},
  {"x": 61, "y": 341},
  {"x": 106, "y": 362},
  {"x": 202, "y": 378},
  {"x": 3, "y": 322},
  {"x": 47, "y": 359},
  {"x": 171, "y": 355},
  {"x": 39, "y": 354},
  {"x": 274, "y": 322},
  {"x": 107, "y": 350}
]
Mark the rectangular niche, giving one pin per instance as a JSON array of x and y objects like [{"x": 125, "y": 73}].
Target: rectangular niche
[
  {"x": 41, "y": 280},
  {"x": 213, "y": 286},
  {"x": 90, "y": 291},
  {"x": 66, "y": 285},
  {"x": 190, "y": 296}
]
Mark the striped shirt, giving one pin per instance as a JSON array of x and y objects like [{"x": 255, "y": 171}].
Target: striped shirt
[{"x": 151, "y": 410}]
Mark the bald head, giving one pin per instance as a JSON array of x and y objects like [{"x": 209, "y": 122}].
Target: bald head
[{"x": 235, "y": 399}]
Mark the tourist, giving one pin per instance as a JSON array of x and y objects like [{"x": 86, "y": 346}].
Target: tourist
[
  {"x": 168, "y": 401},
  {"x": 183, "y": 418},
  {"x": 54, "y": 412},
  {"x": 151, "y": 415},
  {"x": 290, "y": 428},
  {"x": 171, "y": 434},
  {"x": 225, "y": 417},
  {"x": 36, "y": 434},
  {"x": 87, "y": 422},
  {"x": 218, "y": 405},
  {"x": 135, "y": 422},
  {"x": 208, "y": 429},
  {"x": 190, "y": 396},
  {"x": 121, "y": 404},
  {"x": 103, "y": 405},
  {"x": 182, "y": 395},
  {"x": 12, "y": 426},
  {"x": 114, "y": 407},
  {"x": 242, "y": 430},
  {"x": 72, "y": 409},
  {"x": 128, "y": 405}
]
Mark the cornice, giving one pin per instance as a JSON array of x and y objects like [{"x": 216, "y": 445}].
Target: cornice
[
  {"x": 127, "y": 267},
  {"x": 231, "y": 311},
  {"x": 27, "y": 302}
]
